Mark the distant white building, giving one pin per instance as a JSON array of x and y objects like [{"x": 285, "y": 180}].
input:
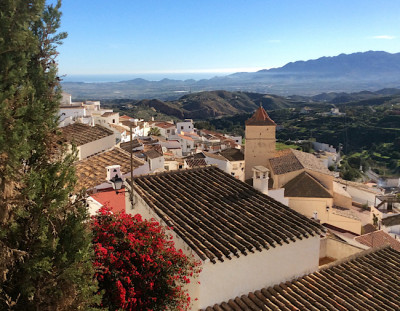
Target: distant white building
[
  {"x": 89, "y": 140},
  {"x": 188, "y": 142},
  {"x": 185, "y": 126},
  {"x": 167, "y": 129}
]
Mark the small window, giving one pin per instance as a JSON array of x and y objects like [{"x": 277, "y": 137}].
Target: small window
[
  {"x": 180, "y": 166},
  {"x": 181, "y": 127},
  {"x": 113, "y": 120}
]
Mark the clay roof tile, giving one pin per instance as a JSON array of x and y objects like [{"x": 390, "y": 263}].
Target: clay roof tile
[{"x": 260, "y": 117}]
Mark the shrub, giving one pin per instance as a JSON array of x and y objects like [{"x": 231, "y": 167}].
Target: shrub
[{"x": 138, "y": 267}]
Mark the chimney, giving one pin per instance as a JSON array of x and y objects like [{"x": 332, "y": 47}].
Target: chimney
[
  {"x": 260, "y": 178},
  {"x": 113, "y": 171}
]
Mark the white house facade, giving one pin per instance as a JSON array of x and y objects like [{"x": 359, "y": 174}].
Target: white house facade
[{"x": 236, "y": 232}]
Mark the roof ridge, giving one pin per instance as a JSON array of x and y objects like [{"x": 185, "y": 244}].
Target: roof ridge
[
  {"x": 330, "y": 288},
  {"x": 304, "y": 179},
  {"x": 260, "y": 117},
  {"x": 355, "y": 256},
  {"x": 175, "y": 172},
  {"x": 206, "y": 197}
]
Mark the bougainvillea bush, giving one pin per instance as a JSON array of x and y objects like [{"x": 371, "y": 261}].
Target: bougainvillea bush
[{"x": 138, "y": 267}]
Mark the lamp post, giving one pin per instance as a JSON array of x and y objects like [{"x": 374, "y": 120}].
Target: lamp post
[{"x": 117, "y": 181}]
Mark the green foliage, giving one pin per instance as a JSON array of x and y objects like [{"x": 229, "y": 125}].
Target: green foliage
[
  {"x": 154, "y": 131},
  {"x": 45, "y": 244},
  {"x": 372, "y": 132},
  {"x": 349, "y": 173},
  {"x": 282, "y": 146}
]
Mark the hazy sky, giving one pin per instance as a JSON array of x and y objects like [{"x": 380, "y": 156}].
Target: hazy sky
[{"x": 131, "y": 36}]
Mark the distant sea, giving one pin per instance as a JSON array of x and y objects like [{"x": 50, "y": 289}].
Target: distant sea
[{"x": 149, "y": 77}]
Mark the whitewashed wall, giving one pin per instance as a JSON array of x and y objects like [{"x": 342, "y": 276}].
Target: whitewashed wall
[
  {"x": 221, "y": 164},
  {"x": 225, "y": 280},
  {"x": 96, "y": 146},
  {"x": 279, "y": 195},
  {"x": 185, "y": 126},
  {"x": 337, "y": 249},
  {"x": 156, "y": 164},
  {"x": 361, "y": 196}
]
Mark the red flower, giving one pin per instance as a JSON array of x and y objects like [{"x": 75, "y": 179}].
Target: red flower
[{"x": 137, "y": 264}]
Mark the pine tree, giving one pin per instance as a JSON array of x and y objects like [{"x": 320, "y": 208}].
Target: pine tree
[{"x": 45, "y": 242}]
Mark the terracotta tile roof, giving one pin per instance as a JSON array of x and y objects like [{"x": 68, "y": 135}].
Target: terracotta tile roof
[
  {"x": 108, "y": 114},
  {"x": 91, "y": 171},
  {"x": 219, "y": 216},
  {"x": 195, "y": 162},
  {"x": 305, "y": 186},
  {"x": 81, "y": 134},
  {"x": 153, "y": 154},
  {"x": 116, "y": 201},
  {"x": 260, "y": 117},
  {"x": 127, "y": 122},
  {"x": 155, "y": 147},
  {"x": 377, "y": 239},
  {"x": 199, "y": 155},
  {"x": 185, "y": 137},
  {"x": 119, "y": 128},
  {"x": 215, "y": 156},
  {"x": 369, "y": 280},
  {"x": 232, "y": 154},
  {"x": 368, "y": 228},
  {"x": 130, "y": 144},
  {"x": 171, "y": 144},
  {"x": 292, "y": 160},
  {"x": 345, "y": 212},
  {"x": 165, "y": 125}
]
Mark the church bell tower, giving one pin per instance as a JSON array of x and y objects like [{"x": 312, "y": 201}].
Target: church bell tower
[{"x": 260, "y": 141}]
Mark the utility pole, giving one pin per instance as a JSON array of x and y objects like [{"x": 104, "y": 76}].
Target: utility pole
[{"x": 131, "y": 154}]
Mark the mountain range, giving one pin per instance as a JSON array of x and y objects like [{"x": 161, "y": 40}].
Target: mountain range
[
  {"x": 355, "y": 72},
  {"x": 211, "y": 104}
]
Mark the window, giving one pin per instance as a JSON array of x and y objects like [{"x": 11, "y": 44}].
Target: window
[
  {"x": 180, "y": 166},
  {"x": 181, "y": 127},
  {"x": 168, "y": 131},
  {"x": 113, "y": 120}
]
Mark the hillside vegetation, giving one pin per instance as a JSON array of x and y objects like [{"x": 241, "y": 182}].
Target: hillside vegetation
[
  {"x": 367, "y": 130},
  {"x": 201, "y": 105}
]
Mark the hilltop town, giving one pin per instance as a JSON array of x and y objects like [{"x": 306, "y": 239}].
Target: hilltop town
[
  {"x": 253, "y": 215},
  {"x": 266, "y": 179}
]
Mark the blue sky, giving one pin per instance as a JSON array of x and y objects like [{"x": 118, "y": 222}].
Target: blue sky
[{"x": 220, "y": 36}]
